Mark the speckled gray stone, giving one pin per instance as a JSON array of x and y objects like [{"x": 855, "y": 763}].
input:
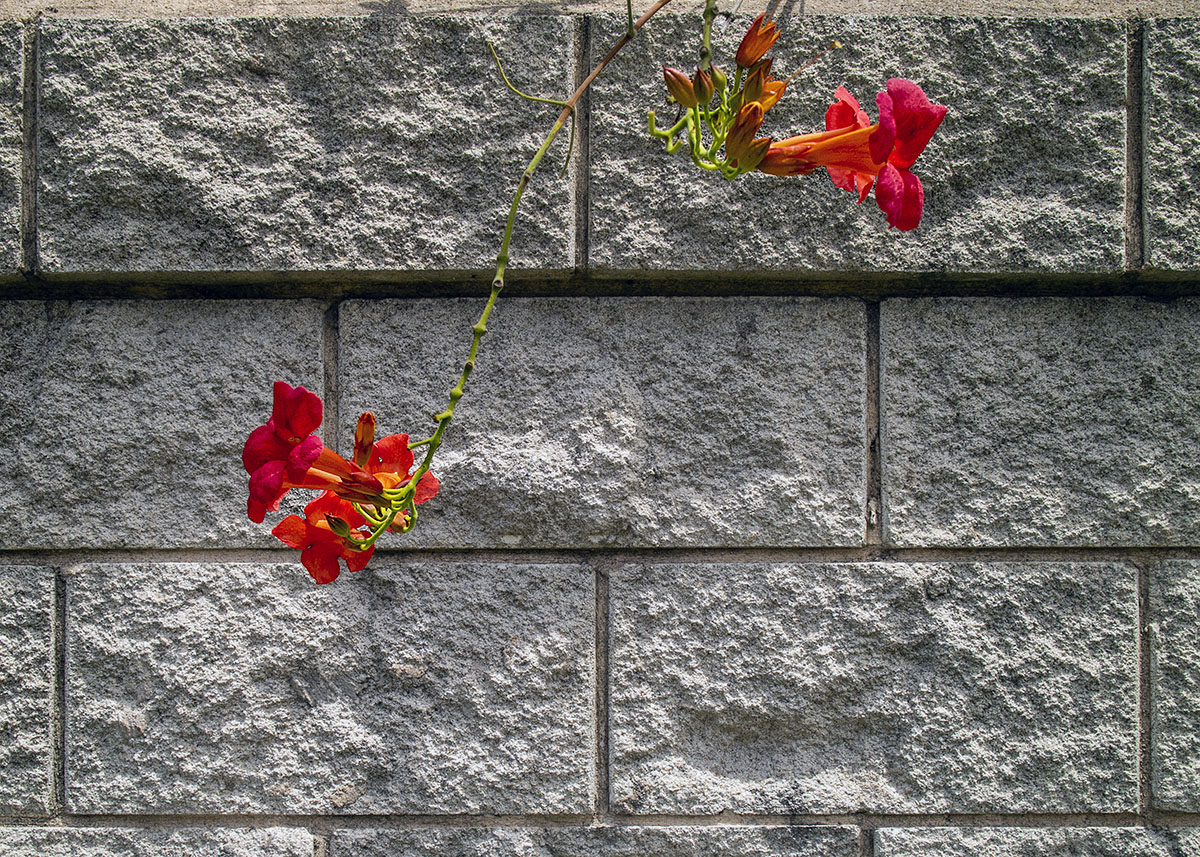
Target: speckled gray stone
[
  {"x": 432, "y": 688},
  {"x": 642, "y": 421},
  {"x": 131, "y": 842},
  {"x": 383, "y": 142},
  {"x": 1172, "y": 122},
  {"x": 878, "y": 687},
  {"x": 675, "y": 841},
  {"x": 12, "y": 76},
  {"x": 26, "y": 651},
  {"x": 1057, "y": 842},
  {"x": 1175, "y": 693},
  {"x": 1031, "y": 421},
  {"x": 1007, "y": 187},
  {"x": 125, "y": 420}
]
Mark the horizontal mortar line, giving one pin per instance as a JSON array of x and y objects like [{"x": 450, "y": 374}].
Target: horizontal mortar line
[
  {"x": 396, "y": 821},
  {"x": 65, "y": 557},
  {"x": 373, "y": 284}
]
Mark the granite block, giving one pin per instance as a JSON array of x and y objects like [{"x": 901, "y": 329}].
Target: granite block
[
  {"x": 1171, "y": 116},
  {"x": 126, "y": 419},
  {"x": 1041, "y": 422},
  {"x": 26, "y": 688},
  {"x": 134, "y": 842},
  {"x": 1006, "y": 188},
  {"x": 1045, "y": 842},
  {"x": 461, "y": 688},
  {"x": 675, "y": 841},
  {"x": 874, "y": 687},
  {"x": 284, "y": 144},
  {"x": 1175, "y": 685},
  {"x": 624, "y": 422}
]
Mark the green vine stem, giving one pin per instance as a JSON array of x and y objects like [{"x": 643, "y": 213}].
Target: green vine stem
[{"x": 407, "y": 493}]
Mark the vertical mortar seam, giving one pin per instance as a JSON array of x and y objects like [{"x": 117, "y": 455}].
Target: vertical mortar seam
[
  {"x": 874, "y": 464},
  {"x": 583, "y": 162},
  {"x": 602, "y": 807},
  {"x": 1135, "y": 232},
  {"x": 58, "y": 699},
  {"x": 29, "y": 146},
  {"x": 866, "y": 842},
  {"x": 1144, "y": 691},
  {"x": 330, "y": 357}
]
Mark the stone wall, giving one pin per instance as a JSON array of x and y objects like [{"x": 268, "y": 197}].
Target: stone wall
[{"x": 764, "y": 531}]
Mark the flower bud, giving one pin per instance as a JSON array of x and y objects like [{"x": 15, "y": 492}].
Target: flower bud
[
  {"x": 756, "y": 42},
  {"x": 741, "y": 135},
  {"x": 702, "y": 85},
  {"x": 364, "y": 439},
  {"x": 679, "y": 86},
  {"x": 720, "y": 81}
]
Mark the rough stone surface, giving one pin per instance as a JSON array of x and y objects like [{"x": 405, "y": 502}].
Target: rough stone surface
[
  {"x": 1013, "y": 842},
  {"x": 281, "y": 144},
  {"x": 1026, "y": 422},
  {"x": 1005, "y": 190},
  {"x": 679, "y": 841},
  {"x": 874, "y": 687},
  {"x": 12, "y": 75},
  {"x": 432, "y": 688},
  {"x": 1174, "y": 606},
  {"x": 21, "y": 9},
  {"x": 26, "y": 649},
  {"x": 1172, "y": 122},
  {"x": 645, "y": 421},
  {"x": 125, "y": 420},
  {"x": 128, "y": 842}
]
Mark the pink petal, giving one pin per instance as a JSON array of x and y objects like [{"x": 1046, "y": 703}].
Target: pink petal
[
  {"x": 884, "y": 137},
  {"x": 296, "y": 411},
  {"x": 302, "y": 457},
  {"x": 916, "y": 120},
  {"x": 845, "y": 112},
  {"x": 889, "y": 193},
  {"x": 913, "y": 203},
  {"x": 266, "y": 484},
  {"x": 262, "y": 446}
]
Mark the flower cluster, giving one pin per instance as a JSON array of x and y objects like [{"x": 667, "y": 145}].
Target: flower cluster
[
  {"x": 857, "y": 154},
  {"x": 360, "y": 499}
]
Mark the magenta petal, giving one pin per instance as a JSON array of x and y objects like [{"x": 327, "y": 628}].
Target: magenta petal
[
  {"x": 266, "y": 483},
  {"x": 262, "y": 446},
  {"x": 302, "y": 457},
  {"x": 296, "y": 411},
  {"x": 912, "y": 203},
  {"x": 916, "y": 120},
  {"x": 884, "y": 137},
  {"x": 889, "y": 193}
]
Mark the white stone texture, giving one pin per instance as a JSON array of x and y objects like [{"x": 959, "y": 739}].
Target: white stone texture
[
  {"x": 1055, "y": 842},
  {"x": 26, "y": 652},
  {"x": 12, "y": 78},
  {"x": 1041, "y": 421},
  {"x": 432, "y": 688},
  {"x": 125, "y": 420},
  {"x": 1172, "y": 134},
  {"x": 624, "y": 422},
  {"x": 290, "y": 144},
  {"x": 676, "y": 841},
  {"x": 132, "y": 842},
  {"x": 876, "y": 687},
  {"x": 1175, "y": 690},
  {"x": 1007, "y": 187}
]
